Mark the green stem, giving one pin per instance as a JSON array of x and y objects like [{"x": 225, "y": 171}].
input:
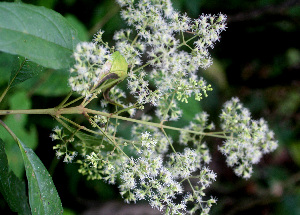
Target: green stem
[
  {"x": 75, "y": 124},
  {"x": 135, "y": 39},
  {"x": 72, "y": 102},
  {"x": 125, "y": 109},
  {"x": 50, "y": 111},
  {"x": 191, "y": 186},
  {"x": 169, "y": 140},
  {"x": 80, "y": 110},
  {"x": 4, "y": 93},
  {"x": 9, "y": 131},
  {"x": 185, "y": 42},
  {"x": 188, "y": 41},
  {"x": 65, "y": 100},
  {"x": 169, "y": 107}
]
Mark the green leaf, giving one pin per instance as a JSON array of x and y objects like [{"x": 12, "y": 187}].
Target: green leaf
[
  {"x": 43, "y": 197},
  {"x": 11, "y": 187},
  {"x": 7, "y": 62},
  {"x": 81, "y": 29},
  {"x": 24, "y": 69},
  {"x": 50, "y": 83},
  {"x": 37, "y": 33}
]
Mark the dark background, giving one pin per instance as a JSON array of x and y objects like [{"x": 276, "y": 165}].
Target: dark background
[{"x": 257, "y": 60}]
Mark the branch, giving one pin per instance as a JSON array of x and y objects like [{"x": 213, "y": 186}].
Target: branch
[{"x": 80, "y": 110}]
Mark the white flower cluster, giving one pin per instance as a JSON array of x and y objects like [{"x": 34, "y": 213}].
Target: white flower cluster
[
  {"x": 89, "y": 68},
  {"x": 139, "y": 88},
  {"x": 182, "y": 165},
  {"x": 157, "y": 25},
  {"x": 250, "y": 138},
  {"x": 149, "y": 177},
  {"x": 154, "y": 37},
  {"x": 62, "y": 149},
  {"x": 161, "y": 146},
  {"x": 101, "y": 161}
]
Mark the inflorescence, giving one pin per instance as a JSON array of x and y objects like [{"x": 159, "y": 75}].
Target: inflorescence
[{"x": 172, "y": 47}]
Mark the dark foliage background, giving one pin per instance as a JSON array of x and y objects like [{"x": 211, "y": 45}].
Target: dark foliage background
[{"x": 257, "y": 60}]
